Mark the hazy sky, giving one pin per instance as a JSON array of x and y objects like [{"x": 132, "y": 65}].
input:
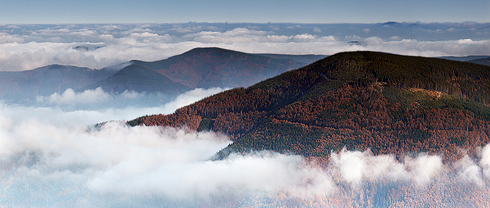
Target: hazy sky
[{"x": 306, "y": 11}]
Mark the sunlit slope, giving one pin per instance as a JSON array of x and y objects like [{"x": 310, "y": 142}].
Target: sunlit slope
[{"x": 358, "y": 100}]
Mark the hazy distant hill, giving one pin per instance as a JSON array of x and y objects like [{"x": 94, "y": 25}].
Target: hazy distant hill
[
  {"x": 361, "y": 100},
  {"x": 200, "y": 67},
  {"x": 302, "y": 59},
  {"x": 482, "y": 61},
  {"x": 217, "y": 67},
  {"x": 140, "y": 79},
  {"x": 47, "y": 80},
  {"x": 463, "y": 58}
]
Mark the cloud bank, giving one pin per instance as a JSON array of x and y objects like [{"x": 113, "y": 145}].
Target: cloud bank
[
  {"x": 51, "y": 157},
  {"x": 98, "y": 99},
  {"x": 25, "y": 47}
]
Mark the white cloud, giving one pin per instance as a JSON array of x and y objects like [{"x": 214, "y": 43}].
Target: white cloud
[
  {"x": 424, "y": 168},
  {"x": 69, "y": 97},
  {"x": 262, "y": 172},
  {"x": 352, "y": 37},
  {"x": 6, "y": 38},
  {"x": 394, "y": 38},
  {"x": 485, "y": 160},
  {"x": 32, "y": 48},
  {"x": 355, "y": 167},
  {"x": 469, "y": 171},
  {"x": 99, "y": 99},
  {"x": 50, "y": 157},
  {"x": 190, "y": 97},
  {"x": 237, "y": 35},
  {"x": 304, "y": 37}
]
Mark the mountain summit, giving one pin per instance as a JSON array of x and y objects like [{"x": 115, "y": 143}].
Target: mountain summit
[
  {"x": 387, "y": 103},
  {"x": 217, "y": 67}
]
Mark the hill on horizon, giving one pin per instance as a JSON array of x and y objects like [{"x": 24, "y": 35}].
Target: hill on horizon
[
  {"x": 390, "y": 104},
  {"x": 47, "y": 80},
  {"x": 140, "y": 79},
  {"x": 199, "y": 67},
  {"x": 217, "y": 67},
  {"x": 483, "y": 61}
]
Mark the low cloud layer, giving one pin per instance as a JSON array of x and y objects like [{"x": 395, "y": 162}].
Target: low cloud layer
[
  {"x": 98, "y": 99},
  {"x": 50, "y": 157},
  {"x": 24, "y": 47}
]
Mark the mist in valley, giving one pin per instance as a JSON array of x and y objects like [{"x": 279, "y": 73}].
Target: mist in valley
[
  {"x": 52, "y": 153},
  {"x": 54, "y": 156}
]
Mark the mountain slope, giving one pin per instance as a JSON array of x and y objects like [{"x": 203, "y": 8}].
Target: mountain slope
[
  {"x": 47, "y": 80},
  {"x": 217, "y": 67},
  {"x": 140, "y": 79},
  {"x": 200, "y": 67},
  {"x": 462, "y": 58},
  {"x": 482, "y": 61},
  {"x": 358, "y": 100}
]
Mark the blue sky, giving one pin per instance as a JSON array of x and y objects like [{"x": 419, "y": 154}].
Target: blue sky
[{"x": 260, "y": 11}]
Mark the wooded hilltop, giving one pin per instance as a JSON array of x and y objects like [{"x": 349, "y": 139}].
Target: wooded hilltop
[{"x": 390, "y": 104}]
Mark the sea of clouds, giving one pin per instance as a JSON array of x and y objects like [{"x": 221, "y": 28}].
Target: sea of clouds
[
  {"x": 25, "y": 47},
  {"x": 53, "y": 155}
]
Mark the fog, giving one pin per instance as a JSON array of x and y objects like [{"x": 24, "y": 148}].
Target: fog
[
  {"x": 52, "y": 156},
  {"x": 98, "y": 99},
  {"x": 25, "y": 47}
]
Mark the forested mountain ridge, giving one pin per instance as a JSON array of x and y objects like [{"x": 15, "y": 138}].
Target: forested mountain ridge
[{"x": 359, "y": 100}]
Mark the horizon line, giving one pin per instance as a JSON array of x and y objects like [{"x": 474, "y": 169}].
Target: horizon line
[{"x": 226, "y": 22}]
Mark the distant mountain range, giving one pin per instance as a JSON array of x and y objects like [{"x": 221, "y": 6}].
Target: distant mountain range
[
  {"x": 197, "y": 68},
  {"x": 140, "y": 79},
  {"x": 387, "y": 103},
  {"x": 217, "y": 67},
  {"x": 200, "y": 67},
  {"x": 26, "y": 85},
  {"x": 483, "y": 60}
]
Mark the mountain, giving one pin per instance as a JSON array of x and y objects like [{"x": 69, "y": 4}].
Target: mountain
[
  {"x": 140, "y": 79},
  {"x": 301, "y": 59},
  {"x": 47, "y": 80},
  {"x": 390, "y": 104},
  {"x": 462, "y": 58},
  {"x": 482, "y": 61},
  {"x": 217, "y": 67},
  {"x": 200, "y": 67}
]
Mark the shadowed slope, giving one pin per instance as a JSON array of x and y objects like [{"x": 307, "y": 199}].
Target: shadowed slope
[
  {"x": 47, "y": 80},
  {"x": 140, "y": 79},
  {"x": 217, "y": 67}
]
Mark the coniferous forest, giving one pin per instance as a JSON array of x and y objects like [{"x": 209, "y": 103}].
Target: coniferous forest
[
  {"x": 389, "y": 104},
  {"x": 379, "y": 103}
]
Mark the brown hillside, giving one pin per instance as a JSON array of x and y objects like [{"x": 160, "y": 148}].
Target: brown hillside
[{"x": 359, "y": 100}]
